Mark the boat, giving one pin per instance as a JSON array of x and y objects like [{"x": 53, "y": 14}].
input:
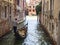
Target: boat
[{"x": 21, "y": 32}]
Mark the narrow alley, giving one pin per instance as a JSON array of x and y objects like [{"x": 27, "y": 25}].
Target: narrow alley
[{"x": 35, "y": 35}]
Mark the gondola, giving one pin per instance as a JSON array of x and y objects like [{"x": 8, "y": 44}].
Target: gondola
[{"x": 21, "y": 32}]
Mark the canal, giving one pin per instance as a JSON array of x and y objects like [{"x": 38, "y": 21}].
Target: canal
[{"x": 35, "y": 35}]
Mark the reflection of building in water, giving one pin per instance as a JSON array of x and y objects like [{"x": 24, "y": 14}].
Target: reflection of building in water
[{"x": 31, "y": 6}]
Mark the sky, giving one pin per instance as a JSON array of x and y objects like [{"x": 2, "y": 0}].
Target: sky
[{"x": 27, "y": 1}]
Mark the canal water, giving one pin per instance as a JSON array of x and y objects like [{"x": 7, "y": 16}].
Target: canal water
[{"x": 35, "y": 35}]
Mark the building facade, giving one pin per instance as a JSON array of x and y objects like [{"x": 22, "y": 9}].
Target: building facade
[
  {"x": 10, "y": 11},
  {"x": 50, "y": 18},
  {"x": 19, "y": 12},
  {"x": 5, "y": 16},
  {"x": 32, "y": 7}
]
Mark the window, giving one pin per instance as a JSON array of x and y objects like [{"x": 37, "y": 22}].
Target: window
[
  {"x": 10, "y": 10},
  {"x": 29, "y": 6},
  {"x": 59, "y": 15},
  {"x": 29, "y": 10},
  {"x": 17, "y": 2},
  {"x": 52, "y": 26},
  {"x": 0, "y": 11},
  {"x": 47, "y": 5},
  {"x": 5, "y": 11},
  {"x": 51, "y": 6},
  {"x": 33, "y": 10},
  {"x": 33, "y": 6}
]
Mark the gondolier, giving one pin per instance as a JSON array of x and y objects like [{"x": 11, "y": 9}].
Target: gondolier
[
  {"x": 15, "y": 26},
  {"x": 21, "y": 31}
]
